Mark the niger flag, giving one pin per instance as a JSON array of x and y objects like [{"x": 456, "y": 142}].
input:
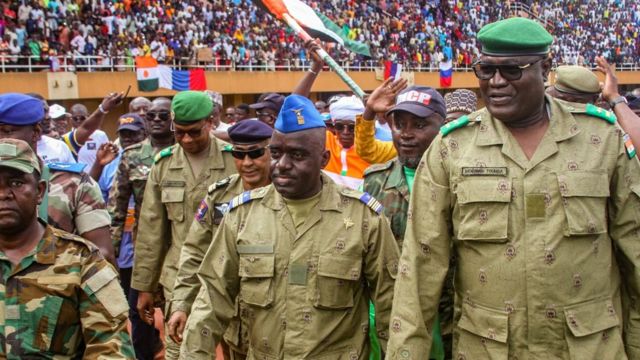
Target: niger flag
[{"x": 147, "y": 73}]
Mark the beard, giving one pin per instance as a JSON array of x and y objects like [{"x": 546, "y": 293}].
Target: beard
[{"x": 409, "y": 161}]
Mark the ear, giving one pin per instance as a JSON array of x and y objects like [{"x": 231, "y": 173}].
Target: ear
[
  {"x": 546, "y": 67},
  {"x": 325, "y": 158},
  {"x": 42, "y": 190}
]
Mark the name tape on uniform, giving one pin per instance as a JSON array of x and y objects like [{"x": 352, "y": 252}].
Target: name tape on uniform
[{"x": 484, "y": 171}]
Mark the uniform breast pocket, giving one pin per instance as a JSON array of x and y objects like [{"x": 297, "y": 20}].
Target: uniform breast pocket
[
  {"x": 256, "y": 284},
  {"x": 483, "y": 205},
  {"x": 43, "y": 319},
  {"x": 173, "y": 200},
  {"x": 584, "y": 198},
  {"x": 336, "y": 282}
]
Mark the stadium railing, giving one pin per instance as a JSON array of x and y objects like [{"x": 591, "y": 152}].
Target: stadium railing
[{"x": 11, "y": 63}]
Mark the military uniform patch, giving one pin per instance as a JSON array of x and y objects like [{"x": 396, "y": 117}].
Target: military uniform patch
[
  {"x": 67, "y": 167},
  {"x": 456, "y": 124},
  {"x": 371, "y": 202},
  {"x": 628, "y": 146},
  {"x": 202, "y": 211},
  {"x": 164, "y": 153}
]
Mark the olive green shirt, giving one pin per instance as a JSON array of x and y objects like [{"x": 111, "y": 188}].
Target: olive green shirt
[
  {"x": 307, "y": 292},
  {"x": 536, "y": 273},
  {"x": 171, "y": 197}
]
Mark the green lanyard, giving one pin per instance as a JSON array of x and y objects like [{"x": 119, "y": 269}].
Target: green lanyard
[{"x": 43, "y": 210}]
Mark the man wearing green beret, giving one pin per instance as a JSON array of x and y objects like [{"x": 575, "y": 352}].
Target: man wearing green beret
[
  {"x": 176, "y": 184},
  {"x": 537, "y": 200},
  {"x": 575, "y": 84}
]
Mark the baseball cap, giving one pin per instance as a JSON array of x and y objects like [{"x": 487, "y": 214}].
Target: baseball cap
[
  {"x": 130, "y": 121},
  {"x": 421, "y": 101},
  {"x": 56, "y": 111},
  {"x": 272, "y": 101},
  {"x": 17, "y": 154}
]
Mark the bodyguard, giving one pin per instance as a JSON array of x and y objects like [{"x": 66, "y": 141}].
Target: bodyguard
[
  {"x": 538, "y": 199},
  {"x": 303, "y": 254},
  {"x": 176, "y": 185}
]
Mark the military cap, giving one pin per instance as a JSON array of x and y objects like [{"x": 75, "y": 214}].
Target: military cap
[
  {"x": 515, "y": 36},
  {"x": 20, "y": 110},
  {"x": 462, "y": 100},
  {"x": 574, "y": 79},
  {"x": 130, "y": 121},
  {"x": 421, "y": 101},
  {"x": 298, "y": 113},
  {"x": 17, "y": 154},
  {"x": 188, "y": 107},
  {"x": 271, "y": 101},
  {"x": 249, "y": 131}
]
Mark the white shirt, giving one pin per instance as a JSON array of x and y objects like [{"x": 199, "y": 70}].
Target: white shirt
[
  {"x": 52, "y": 150},
  {"x": 87, "y": 153}
]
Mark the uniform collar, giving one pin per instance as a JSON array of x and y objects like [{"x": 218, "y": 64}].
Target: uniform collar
[
  {"x": 46, "y": 248},
  {"x": 329, "y": 197},
  {"x": 397, "y": 179}
]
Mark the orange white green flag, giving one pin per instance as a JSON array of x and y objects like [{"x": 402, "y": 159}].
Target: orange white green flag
[{"x": 147, "y": 73}]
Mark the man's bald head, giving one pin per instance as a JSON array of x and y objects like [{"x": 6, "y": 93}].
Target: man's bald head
[{"x": 140, "y": 106}]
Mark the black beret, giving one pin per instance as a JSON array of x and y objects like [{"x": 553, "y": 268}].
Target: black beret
[{"x": 249, "y": 131}]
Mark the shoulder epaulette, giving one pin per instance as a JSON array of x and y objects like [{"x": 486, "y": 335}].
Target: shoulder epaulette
[
  {"x": 364, "y": 198},
  {"x": 227, "y": 147},
  {"x": 454, "y": 125},
  {"x": 67, "y": 167},
  {"x": 68, "y": 236},
  {"x": 219, "y": 184},
  {"x": 598, "y": 112},
  {"x": 246, "y": 197},
  {"x": 134, "y": 146},
  {"x": 378, "y": 167},
  {"x": 164, "y": 153}
]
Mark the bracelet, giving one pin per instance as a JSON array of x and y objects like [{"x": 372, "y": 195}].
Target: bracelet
[
  {"x": 313, "y": 72},
  {"x": 102, "y": 110}
]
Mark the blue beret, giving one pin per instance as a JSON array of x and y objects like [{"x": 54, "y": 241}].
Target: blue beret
[
  {"x": 298, "y": 113},
  {"x": 20, "y": 110},
  {"x": 249, "y": 131}
]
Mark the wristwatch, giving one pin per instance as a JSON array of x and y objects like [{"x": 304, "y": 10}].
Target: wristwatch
[{"x": 617, "y": 100}]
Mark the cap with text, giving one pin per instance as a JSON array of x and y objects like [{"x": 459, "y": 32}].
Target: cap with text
[{"x": 421, "y": 101}]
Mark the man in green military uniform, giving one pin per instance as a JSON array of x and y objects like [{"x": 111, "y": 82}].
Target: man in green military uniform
[
  {"x": 129, "y": 183},
  {"x": 58, "y": 295},
  {"x": 538, "y": 200},
  {"x": 251, "y": 155},
  {"x": 415, "y": 115},
  {"x": 575, "y": 83},
  {"x": 175, "y": 187},
  {"x": 304, "y": 255},
  {"x": 74, "y": 202}
]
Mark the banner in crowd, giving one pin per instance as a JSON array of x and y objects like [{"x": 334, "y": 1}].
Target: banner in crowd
[{"x": 152, "y": 76}]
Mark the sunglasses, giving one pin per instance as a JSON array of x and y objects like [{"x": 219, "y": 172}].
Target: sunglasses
[
  {"x": 192, "y": 133},
  {"x": 508, "y": 72},
  {"x": 77, "y": 118},
  {"x": 162, "y": 115},
  {"x": 341, "y": 127},
  {"x": 253, "y": 154}
]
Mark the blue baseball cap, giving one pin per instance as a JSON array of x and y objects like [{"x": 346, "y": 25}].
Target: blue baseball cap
[
  {"x": 130, "y": 121},
  {"x": 297, "y": 114},
  {"x": 20, "y": 110}
]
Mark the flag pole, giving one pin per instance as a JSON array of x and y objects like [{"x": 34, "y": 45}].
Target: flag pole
[{"x": 325, "y": 56}]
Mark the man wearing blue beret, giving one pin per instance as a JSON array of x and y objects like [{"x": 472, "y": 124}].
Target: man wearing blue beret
[
  {"x": 252, "y": 158},
  {"x": 175, "y": 187},
  {"x": 304, "y": 254},
  {"x": 74, "y": 201},
  {"x": 538, "y": 199}
]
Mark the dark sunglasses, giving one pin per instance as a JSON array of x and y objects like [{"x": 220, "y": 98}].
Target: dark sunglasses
[
  {"x": 341, "y": 127},
  {"x": 253, "y": 154},
  {"x": 77, "y": 118},
  {"x": 508, "y": 72},
  {"x": 162, "y": 115}
]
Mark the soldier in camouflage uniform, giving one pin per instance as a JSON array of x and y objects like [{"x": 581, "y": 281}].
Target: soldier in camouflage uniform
[
  {"x": 175, "y": 188},
  {"x": 59, "y": 297},
  {"x": 252, "y": 159},
  {"x": 304, "y": 254},
  {"x": 74, "y": 202},
  {"x": 415, "y": 118},
  {"x": 130, "y": 181}
]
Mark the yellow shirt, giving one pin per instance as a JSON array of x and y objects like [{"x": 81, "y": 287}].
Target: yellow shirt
[{"x": 368, "y": 147}]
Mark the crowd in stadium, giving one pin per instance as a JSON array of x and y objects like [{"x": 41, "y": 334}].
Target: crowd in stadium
[{"x": 418, "y": 33}]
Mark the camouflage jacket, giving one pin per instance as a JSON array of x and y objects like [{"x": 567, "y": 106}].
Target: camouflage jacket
[
  {"x": 386, "y": 183},
  {"x": 63, "y": 300},
  {"x": 130, "y": 180},
  {"x": 75, "y": 202}
]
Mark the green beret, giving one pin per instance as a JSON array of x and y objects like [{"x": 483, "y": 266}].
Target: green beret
[
  {"x": 514, "y": 37},
  {"x": 578, "y": 80},
  {"x": 191, "y": 106}
]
